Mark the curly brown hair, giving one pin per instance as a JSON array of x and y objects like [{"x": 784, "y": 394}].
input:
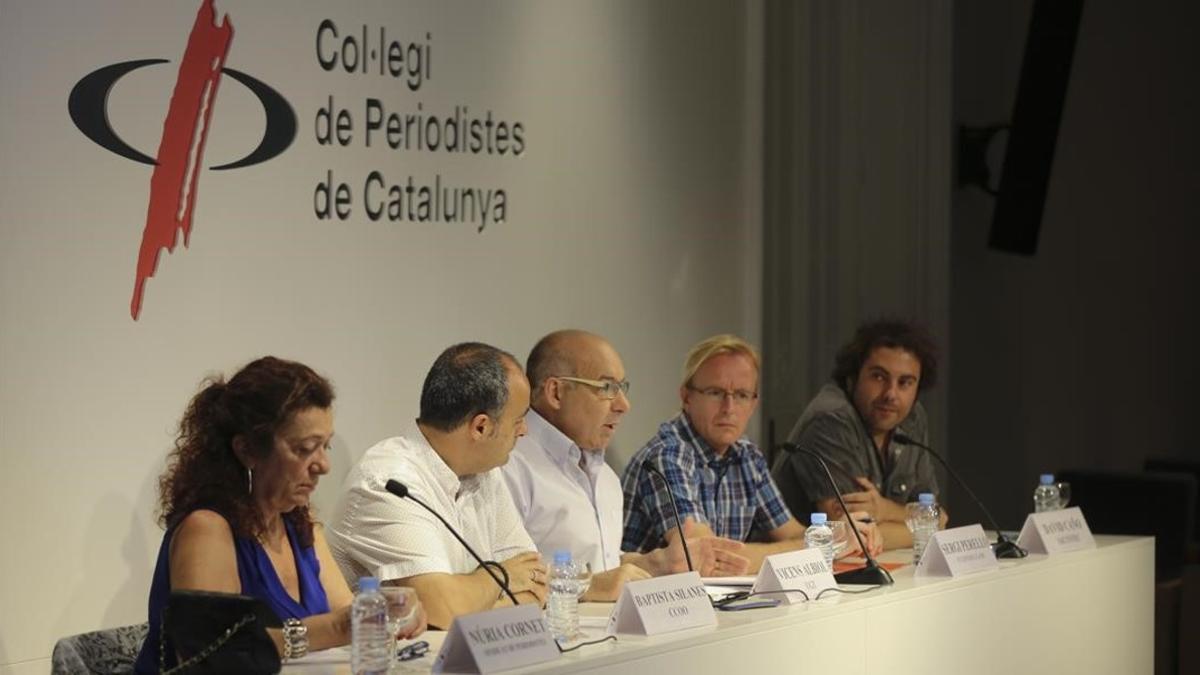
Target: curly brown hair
[
  {"x": 893, "y": 333},
  {"x": 204, "y": 473}
]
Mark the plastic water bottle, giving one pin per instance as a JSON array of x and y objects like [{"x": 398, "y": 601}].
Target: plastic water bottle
[
  {"x": 819, "y": 536},
  {"x": 924, "y": 524},
  {"x": 1045, "y": 495},
  {"x": 562, "y": 606},
  {"x": 368, "y": 629}
]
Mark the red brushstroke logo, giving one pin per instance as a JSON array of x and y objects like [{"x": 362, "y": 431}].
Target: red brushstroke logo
[{"x": 173, "y": 185}]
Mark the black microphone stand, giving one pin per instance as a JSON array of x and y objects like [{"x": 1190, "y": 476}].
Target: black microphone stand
[
  {"x": 401, "y": 490},
  {"x": 1004, "y": 547},
  {"x": 649, "y": 466},
  {"x": 872, "y": 573}
]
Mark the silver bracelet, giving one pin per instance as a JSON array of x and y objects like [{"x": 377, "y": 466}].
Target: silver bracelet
[{"x": 295, "y": 639}]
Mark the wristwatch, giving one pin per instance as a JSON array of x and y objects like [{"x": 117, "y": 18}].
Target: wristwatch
[{"x": 295, "y": 639}]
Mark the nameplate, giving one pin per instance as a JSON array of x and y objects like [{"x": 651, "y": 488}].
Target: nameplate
[
  {"x": 957, "y": 551},
  {"x": 1053, "y": 532},
  {"x": 662, "y": 605},
  {"x": 804, "y": 571},
  {"x": 496, "y": 640}
]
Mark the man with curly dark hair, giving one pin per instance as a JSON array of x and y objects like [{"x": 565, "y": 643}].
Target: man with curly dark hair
[{"x": 851, "y": 423}]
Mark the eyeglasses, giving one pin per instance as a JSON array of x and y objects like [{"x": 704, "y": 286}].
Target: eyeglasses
[
  {"x": 608, "y": 388},
  {"x": 414, "y": 651},
  {"x": 716, "y": 395}
]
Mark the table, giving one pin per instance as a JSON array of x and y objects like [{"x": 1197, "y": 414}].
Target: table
[{"x": 1083, "y": 612}]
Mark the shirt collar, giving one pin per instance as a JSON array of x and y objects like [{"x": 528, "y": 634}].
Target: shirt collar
[
  {"x": 557, "y": 445},
  {"x": 688, "y": 433},
  {"x": 442, "y": 474}
]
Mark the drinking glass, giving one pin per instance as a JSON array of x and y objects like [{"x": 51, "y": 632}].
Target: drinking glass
[
  {"x": 1064, "y": 494},
  {"x": 584, "y": 577},
  {"x": 401, "y": 610},
  {"x": 841, "y": 537}
]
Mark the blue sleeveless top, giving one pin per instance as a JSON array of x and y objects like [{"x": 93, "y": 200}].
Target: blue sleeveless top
[{"x": 258, "y": 578}]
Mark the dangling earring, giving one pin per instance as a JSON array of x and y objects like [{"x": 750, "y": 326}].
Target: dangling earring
[{"x": 249, "y": 481}]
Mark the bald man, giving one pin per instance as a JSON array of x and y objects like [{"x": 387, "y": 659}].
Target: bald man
[{"x": 569, "y": 497}]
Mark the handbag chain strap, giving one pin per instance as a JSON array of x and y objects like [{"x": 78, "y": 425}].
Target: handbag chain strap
[{"x": 203, "y": 653}]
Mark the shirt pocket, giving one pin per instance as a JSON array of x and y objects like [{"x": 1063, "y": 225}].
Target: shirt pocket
[
  {"x": 736, "y": 525},
  {"x": 899, "y": 490}
]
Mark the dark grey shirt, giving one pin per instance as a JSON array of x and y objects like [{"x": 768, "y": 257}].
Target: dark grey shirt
[{"x": 831, "y": 427}]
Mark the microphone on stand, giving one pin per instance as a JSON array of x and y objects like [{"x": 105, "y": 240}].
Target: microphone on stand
[
  {"x": 1004, "y": 547},
  {"x": 401, "y": 490},
  {"x": 872, "y": 573},
  {"x": 649, "y": 466},
  {"x": 838, "y": 468}
]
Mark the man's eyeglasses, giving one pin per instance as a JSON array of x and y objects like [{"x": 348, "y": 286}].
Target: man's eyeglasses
[
  {"x": 608, "y": 388},
  {"x": 717, "y": 395},
  {"x": 414, "y": 651}
]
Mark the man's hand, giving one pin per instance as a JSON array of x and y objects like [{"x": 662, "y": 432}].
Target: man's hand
[
  {"x": 871, "y": 535},
  {"x": 711, "y": 555},
  {"x": 867, "y": 501},
  {"x": 606, "y": 586},
  {"x": 527, "y": 574},
  {"x": 718, "y": 557},
  {"x": 872, "y": 503},
  {"x": 714, "y": 556}
]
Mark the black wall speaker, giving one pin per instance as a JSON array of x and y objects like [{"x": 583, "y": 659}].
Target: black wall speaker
[{"x": 1045, "y": 73}]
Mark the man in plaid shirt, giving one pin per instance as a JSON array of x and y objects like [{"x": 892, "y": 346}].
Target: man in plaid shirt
[{"x": 720, "y": 480}]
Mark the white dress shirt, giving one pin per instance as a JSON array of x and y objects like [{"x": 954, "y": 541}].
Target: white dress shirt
[
  {"x": 375, "y": 533},
  {"x": 566, "y": 505}
]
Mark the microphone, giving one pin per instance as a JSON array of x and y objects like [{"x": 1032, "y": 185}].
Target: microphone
[
  {"x": 401, "y": 490},
  {"x": 872, "y": 573},
  {"x": 841, "y": 470},
  {"x": 1004, "y": 547},
  {"x": 649, "y": 466}
]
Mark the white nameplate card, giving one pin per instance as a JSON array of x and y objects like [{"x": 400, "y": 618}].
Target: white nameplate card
[
  {"x": 495, "y": 640},
  {"x": 957, "y": 551},
  {"x": 1053, "y": 532},
  {"x": 804, "y": 570},
  {"x": 662, "y": 605}
]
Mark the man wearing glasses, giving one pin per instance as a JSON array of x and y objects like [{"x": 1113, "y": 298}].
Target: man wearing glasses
[
  {"x": 569, "y": 498},
  {"x": 719, "y": 478}
]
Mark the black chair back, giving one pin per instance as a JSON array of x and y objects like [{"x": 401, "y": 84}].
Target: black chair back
[
  {"x": 1162, "y": 505},
  {"x": 1183, "y": 466}
]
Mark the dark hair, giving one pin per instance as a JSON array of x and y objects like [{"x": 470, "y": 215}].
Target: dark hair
[
  {"x": 893, "y": 333},
  {"x": 465, "y": 380},
  {"x": 204, "y": 473}
]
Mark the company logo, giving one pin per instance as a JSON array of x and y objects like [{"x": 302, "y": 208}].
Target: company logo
[{"x": 185, "y": 131}]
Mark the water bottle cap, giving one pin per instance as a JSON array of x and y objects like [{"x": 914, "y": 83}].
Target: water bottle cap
[
  {"x": 925, "y": 498},
  {"x": 818, "y": 518},
  {"x": 368, "y": 584},
  {"x": 562, "y": 557},
  {"x": 1047, "y": 478}
]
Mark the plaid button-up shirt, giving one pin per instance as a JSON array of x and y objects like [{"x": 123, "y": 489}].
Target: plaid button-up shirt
[{"x": 732, "y": 493}]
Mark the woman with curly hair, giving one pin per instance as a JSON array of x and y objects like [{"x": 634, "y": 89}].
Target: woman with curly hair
[{"x": 234, "y": 501}]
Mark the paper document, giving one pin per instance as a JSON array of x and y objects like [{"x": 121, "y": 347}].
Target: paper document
[{"x": 728, "y": 581}]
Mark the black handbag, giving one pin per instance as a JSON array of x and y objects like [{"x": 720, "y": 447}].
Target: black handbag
[{"x": 218, "y": 633}]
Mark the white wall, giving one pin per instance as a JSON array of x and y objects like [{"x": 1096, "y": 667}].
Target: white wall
[{"x": 633, "y": 212}]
